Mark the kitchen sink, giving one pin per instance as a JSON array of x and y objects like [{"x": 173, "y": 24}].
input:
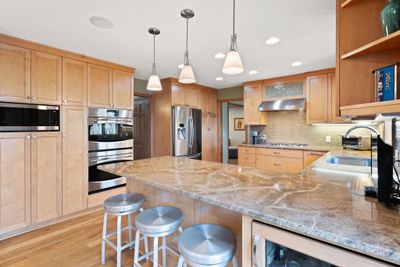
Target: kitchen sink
[{"x": 353, "y": 161}]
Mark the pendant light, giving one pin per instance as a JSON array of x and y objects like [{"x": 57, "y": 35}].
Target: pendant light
[
  {"x": 187, "y": 75},
  {"x": 154, "y": 83},
  {"x": 233, "y": 63}
]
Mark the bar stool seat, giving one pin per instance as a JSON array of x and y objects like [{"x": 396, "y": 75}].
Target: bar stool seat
[
  {"x": 122, "y": 203},
  {"x": 207, "y": 245},
  {"x": 157, "y": 222}
]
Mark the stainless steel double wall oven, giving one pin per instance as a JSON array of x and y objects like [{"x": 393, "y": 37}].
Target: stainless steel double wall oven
[{"x": 110, "y": 141}]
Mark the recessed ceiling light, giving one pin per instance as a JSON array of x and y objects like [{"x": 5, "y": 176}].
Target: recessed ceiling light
[
  {"x": 101, "y": 22},
  {"x": 253, "y": 72},
  {"x": 219, "y": 55},
  {"x": 297, "y": 63},
  {"x": 219, "y": 79},
  {"x": 272, "y": 40},
  {"x": 180, "y": 66}
]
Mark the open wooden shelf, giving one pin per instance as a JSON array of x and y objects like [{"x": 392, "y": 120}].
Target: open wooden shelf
[
  {"x": 369, "y": 109},
  {"x": 387, "y": 43}
]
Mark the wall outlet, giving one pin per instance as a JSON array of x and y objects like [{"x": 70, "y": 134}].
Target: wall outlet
[{"x": 328, "y": 139}]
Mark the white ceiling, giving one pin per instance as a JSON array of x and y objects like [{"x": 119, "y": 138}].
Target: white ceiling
[{"x": 306, "y": 29}]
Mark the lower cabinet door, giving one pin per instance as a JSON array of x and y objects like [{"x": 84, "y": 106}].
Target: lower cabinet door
[
  {"x": 279, "y": 164},
  {"x": 14, "y": 181},
  {"x": 75, "y": 169},
  {"x": 46, "y": 176}
]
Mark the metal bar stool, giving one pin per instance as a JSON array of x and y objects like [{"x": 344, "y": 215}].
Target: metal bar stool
[
  {"x": 120, "y": 205},
  {"x": 207, "y": 245},
  {"x": 158, "y": 222}
]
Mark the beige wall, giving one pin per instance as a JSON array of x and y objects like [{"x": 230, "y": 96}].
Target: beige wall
[
  {"x": 230, "y": 93},
  {"x": 140, "y": 87},
  {"x": 236, "y": 137},
  {"x": 291, "y": 127}
]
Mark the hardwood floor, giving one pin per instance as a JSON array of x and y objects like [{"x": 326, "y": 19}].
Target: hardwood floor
[{"x": 76, "y": 242}]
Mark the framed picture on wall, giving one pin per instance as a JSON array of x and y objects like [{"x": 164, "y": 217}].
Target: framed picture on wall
[{"x": 239, "y": 124}]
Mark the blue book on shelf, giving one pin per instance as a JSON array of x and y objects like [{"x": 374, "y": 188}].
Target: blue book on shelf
[{"x": 386, "y": 83}]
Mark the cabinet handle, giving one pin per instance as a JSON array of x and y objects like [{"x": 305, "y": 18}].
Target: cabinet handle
[
  {"x": 28, "y": 137},
  {"x": 277, "y": 153},
  {"x": 256, "y": 239},
  {"x": 28, "y": 97},
  {"x": 277, "y": 164},
  {"x": 65, "y": 100},
  {"x": 315, "y": 153}
]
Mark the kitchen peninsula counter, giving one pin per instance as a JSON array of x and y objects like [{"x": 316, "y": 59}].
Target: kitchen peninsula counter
[{"x": 318, "y": 204}]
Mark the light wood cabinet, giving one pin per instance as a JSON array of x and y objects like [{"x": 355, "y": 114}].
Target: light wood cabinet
[
  {"x": 15, "y": 68},
  {"x": 99, "y": 86},
  {"x": 191, "y": 96},
  {"x": 14, "y": 181},
  {"x": 247, "y": 156},
  {"x": 311, "y": 156},
  {"x": 122, "y": 90},
  {"x": 75, "y": 168},
  {"x": 252, "y": 98},
  {"x": 185, "y": 95},
  {"x": 46, "y": 78},
  {"x": 74, "y": 82},
  {"x": 279, "y": 164},
  {"x": 207, "y": 102},
  {"x": 46, "y": 180},
  {"x": 317, "y": 99}
]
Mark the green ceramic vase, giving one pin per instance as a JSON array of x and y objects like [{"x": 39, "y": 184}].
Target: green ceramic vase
[{"x": 390, "y": 17}]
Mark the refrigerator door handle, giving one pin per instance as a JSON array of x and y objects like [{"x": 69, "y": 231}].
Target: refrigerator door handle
[{"x": 191, "y": 129}]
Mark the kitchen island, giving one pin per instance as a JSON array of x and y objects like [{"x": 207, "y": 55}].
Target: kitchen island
[{"x": 316, "y": 204}]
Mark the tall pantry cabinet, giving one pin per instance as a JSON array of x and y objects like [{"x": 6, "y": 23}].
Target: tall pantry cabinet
[{"x": 44, "y": 175}]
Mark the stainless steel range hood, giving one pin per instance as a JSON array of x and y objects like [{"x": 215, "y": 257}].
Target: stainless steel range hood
[{"x": 283, "y": 104}]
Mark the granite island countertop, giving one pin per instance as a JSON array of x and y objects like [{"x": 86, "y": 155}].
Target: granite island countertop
[{"x": 320, "y": 204}]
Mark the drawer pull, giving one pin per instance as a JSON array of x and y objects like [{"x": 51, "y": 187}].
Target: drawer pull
[
  {"x": 315, "y": 153},
  {"x": 277, "y": 164},
  {"x": 277, "y": 153}
]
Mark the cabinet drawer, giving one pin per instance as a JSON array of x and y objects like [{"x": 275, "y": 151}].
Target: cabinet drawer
[
  {"x": 247, "y": 150},
  {"x": 280, "y": 153},
  {"x": 279, "y": 164},
  {"x": 247, "y": 158}
]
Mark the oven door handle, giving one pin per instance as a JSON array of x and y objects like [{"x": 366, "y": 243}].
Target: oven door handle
[
  {"x": 106, "y": 159},
  {"x": 103, "y": 121}
]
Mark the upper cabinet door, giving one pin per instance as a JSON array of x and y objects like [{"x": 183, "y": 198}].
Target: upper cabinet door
[
  {"x": 212, "y": 103},
  {"x": 14, "y": 181},
  {"x": 123, "y": 89},
  {"x": 46, "y": 78},
  {"x": 74, "y": 82},
  {"x": 15, "y": 64},
  {"x": 317, "y": 99},
  {"x": 100, "y": 86},
  {"x": 252, "y": 99},
  {"x": 177, "y": 94},
  {"x": 191, "y": 96},
  {"x": 46, "y": 176}
]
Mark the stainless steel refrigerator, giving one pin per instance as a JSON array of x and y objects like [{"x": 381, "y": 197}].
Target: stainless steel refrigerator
[{"x": 186, "y": 132}]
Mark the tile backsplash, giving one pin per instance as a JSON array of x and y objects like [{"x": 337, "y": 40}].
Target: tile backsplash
[{"x": 291, "y": 127}]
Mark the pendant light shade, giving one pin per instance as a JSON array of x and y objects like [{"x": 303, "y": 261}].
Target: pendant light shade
[
  {"x": 187, "y": 74},
  {"x": 233, "y": 63},
  {"x": 154, "y": 83}
]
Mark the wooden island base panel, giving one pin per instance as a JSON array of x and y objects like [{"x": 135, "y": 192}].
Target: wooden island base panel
[{"x": 194, "y": 212}]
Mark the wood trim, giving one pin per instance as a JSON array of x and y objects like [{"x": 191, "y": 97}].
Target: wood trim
[
  {"x": 247, "y": 238},
  {"x": 231, "y": 99},
  {"x": 370, "y": 109},
  {"x": 143, "y": 95},
  {"x": 314, "y": 248},
  {"x": 290, "y": 78},
  {"x": 55, "y": 51}
]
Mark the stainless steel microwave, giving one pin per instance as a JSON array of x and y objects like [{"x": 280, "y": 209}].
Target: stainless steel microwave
[{"x": 17, "y": 117}]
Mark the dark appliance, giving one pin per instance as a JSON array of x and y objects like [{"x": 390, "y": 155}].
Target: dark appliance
[
  {"x": 16, "y": 117},
  {"x": 110, "y": 141},
  {"x": 385, "y": 172},
  {"x": 186, "y": 132}
]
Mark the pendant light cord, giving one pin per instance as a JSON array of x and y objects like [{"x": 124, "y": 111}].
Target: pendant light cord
[
  {"x": 234, "y": 16},
  {"x": 233, "y": 37},
  {"x": 153, "y": 71},
  {"x": 186, "y": 59}
]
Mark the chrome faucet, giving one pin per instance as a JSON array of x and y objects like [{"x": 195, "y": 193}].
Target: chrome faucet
[{"x": 347, "y": 134}]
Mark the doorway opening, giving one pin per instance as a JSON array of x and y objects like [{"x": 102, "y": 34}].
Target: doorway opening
[
  {"x": 233, "y": 130},
  {"x": 142, "y": 127}
]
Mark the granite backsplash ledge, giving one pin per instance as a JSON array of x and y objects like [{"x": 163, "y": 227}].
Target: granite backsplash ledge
[{"x": 291, "y": 127}]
